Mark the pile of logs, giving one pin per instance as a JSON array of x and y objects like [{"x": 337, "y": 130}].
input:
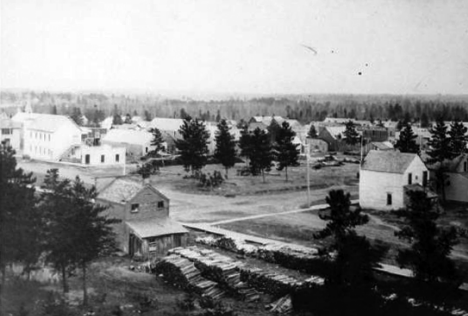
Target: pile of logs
[
  {"x": 298, "y": 258},
  {"x": 236, "y": 277},
  {"x": 219, "y": 268},
  {"x": 282, "y": 306},
  {"x": 182, "y": 273}
]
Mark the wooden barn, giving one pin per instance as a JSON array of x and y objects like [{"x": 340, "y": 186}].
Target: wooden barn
[{"x": 145, "y": 229}]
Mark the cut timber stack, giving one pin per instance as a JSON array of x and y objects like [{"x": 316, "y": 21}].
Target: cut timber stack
[
  {"x": 297, "y": 258},
  {"x": 219, "y": 268},
  {"x": 282, "y": 306},
  {"x": 183, "y": 274}
]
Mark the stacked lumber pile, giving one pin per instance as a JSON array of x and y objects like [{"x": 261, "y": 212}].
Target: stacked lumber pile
[
  {"x": 182, "y": 273},
  {"x": 297, "y": 258},
  {"x": 282, "y": 306},
  {"x": 219, "y": 268},
  {"x": 272, "y": 283}
]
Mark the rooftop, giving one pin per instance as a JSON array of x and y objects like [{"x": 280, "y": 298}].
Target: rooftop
[
  {"x": 121, "y": 190},
  {"x": 128, "y": 136},
  {"x": 387, "y": 161},
  {"x": 156, "y": 227}
]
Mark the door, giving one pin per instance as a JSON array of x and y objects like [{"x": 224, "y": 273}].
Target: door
[
  {"x": 131, "y": 245},
  {"x": 87, "y": 159},
  {"x": 424, "y": 180}
]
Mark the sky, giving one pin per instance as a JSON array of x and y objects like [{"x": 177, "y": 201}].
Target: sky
[{"x": 241, "y": 46}]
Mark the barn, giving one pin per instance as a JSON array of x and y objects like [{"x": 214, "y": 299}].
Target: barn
[{"x": 146, "y": 229}]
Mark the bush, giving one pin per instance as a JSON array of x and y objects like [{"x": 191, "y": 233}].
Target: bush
[
  {"x": 208, "y": 180},
  {"x": 187, "y": 303}
]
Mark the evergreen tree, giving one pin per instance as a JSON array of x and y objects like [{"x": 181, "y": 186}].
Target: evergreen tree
[
  {"x": 407, "y": 141},
  {"x": 225, "y": 150},
  {"x": 424, "y": 120},
  {"x": 193, "y": 147},
  {"x": 218, "y": 117},
  {"x": 59, "y": 223},
  {"x": 128, "y": 119},
  {"x": 312, "y": 132},
  {"x": 54, "y": 110},
  {"x": 245, "y": 142},
  {"x": 351, "y": 135},
  {"x": 287, "y": 153},
  {"x": 273, "y": 130},
  {"x": 260, "y": 153},
  {"x": 77, "y": 116},
  {"x": 92, "y": 234},
  {"x": 355, "y": 257},
  {"x": 157, "y": 142},
  {"x": 439, "y": 151},
  {"x": 20, "y": 221},
  {"x": 428, "y": 256},
  {"x": 117, "y": 120},
  {"x": 148, "y": 117},
  {"x": 458, "y": 138}
]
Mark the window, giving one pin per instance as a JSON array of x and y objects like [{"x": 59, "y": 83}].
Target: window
[
  {"x": 102, "y": 158},
  {"x": 389, "y": 199},
  {"x": 160, "y": 204},
  {"x": 410, "y": 178},
  {"x": 49, "y": 137},
  {"x": 134, "y": 208},
  {"x": 117, "y": 158},
  {"x": 6, "y": 131}
]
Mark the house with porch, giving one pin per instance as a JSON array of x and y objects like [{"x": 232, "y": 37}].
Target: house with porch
[
  {"x": 385, "y": 176},
  {"x": 145, "y": 229}
]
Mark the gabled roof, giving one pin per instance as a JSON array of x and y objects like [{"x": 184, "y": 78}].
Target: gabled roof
[
  {"x": 44, "y": 122},
  {"x": 388, "y": 161},
  {"x": 121, "y": 190},
  {"x": 8, "y": 123},
  {"x": 128, "y": 136},
  {"x": 449, "y": 165},
  {"x": 383, "y": 145},
  {"x": 155, "y": 227}
]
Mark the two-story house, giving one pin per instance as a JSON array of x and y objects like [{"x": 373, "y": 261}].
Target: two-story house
[
  {"x": 386, "y": 175},
  {"x": 47, "y": 136},
  {"x": 145, "y": 228},
  {"x": 10, "y": 133}
]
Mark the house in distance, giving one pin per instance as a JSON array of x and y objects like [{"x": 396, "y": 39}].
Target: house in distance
[
  {"x": 145, "y": 229},
  {"x": 385, "y": 176}
]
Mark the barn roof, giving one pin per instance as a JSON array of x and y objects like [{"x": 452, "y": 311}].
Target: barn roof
[
  {"x": 122, "y": 190},
  {"x": 44, "y": 122},
  {"x": 387, "y": 161},
  {"x": 155, "y": 227},
  {"x": 128, "y": 136}
]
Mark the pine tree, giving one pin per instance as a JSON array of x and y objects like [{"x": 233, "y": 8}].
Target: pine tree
[
  {"x": 54, "y": 110},
  {"x": 355, "y": 256},
  {"x": 157, "y": 142},
  {"x": 117, "y": 120},
  {"x": 260, "y": 153},
  {"x": 273, "y": 130},
  {"x": 428, "y": 256},
  {"x": 55, "y": 204},
  {"x": 458, "y": 138},
  {"x": 351, "y": 135},
  {"x": 225, "y": 150},
  {"x": 407, "y": 141},
  {"x": 92, "y": 234},
  {"x": 128, "y": 119},
  {"x": 312, "y": 132},
  {"x": 244, "y": 142},
  {"x": 439, "y": 151},
  {"x": 20, "y": 221},
  {"x": 76, "y": 116},
  {"x": 193, "y": 147},
  {"x": 148, "y": 117},
  {"x": 287, "y": 153}
]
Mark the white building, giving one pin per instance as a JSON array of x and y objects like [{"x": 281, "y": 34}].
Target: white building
[
  {"x": 101, "y": 155},
  {"x": 137, "y": 143},
  {"x": 10, "y": 133},
  {"x": 384, "y": 176},
  {"x": 47, "y": 136},
  {"x": 168, "y": 125}
]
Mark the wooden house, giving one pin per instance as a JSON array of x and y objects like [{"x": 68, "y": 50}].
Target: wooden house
[
  {"x": 145, "y": 229},
  {"x": 384, "y": 176}
]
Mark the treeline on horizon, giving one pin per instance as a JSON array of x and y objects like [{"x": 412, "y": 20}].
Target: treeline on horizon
[{"x": 304, "y": 108}]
